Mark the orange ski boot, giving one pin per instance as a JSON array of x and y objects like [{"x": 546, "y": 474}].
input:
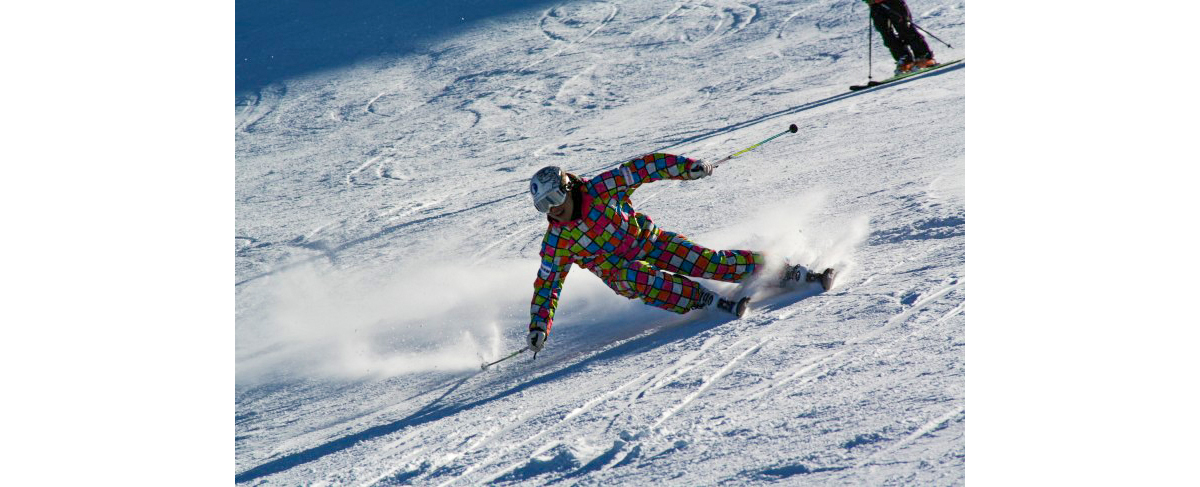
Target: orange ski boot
[{"x": 924, "y": 63}]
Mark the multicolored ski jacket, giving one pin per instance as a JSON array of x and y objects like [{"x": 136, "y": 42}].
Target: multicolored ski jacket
[{"x": 607, "y": 234}]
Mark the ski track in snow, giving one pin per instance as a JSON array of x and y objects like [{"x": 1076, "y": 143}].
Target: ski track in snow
[
  {"x": 574, "y": 413},
  {"x": 663, "y": 377},
  {"x": 613, "y": 10},
  {"x": 813, "y": 363},
  {"x": 373, "y": 170},
  {"x": 708, "y": 382},
  {"x": 265, "y": 102},
  {"x": 921, "y": 431}
]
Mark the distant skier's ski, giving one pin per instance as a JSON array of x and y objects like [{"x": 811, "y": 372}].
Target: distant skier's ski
[{"x": 872, "y": 84}]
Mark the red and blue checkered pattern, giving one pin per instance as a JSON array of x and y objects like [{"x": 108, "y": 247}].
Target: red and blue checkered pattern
[
  {"x": 627, "y": 250},
  {"x": 658, "y": 276}
]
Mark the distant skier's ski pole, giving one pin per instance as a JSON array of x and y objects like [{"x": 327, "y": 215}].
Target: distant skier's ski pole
[
  {"x": 869, "y": 38},
  {"x": 511, "y": 355},
  {"x": 791, "y": 130},
  {"x": 914, "y": 24}
]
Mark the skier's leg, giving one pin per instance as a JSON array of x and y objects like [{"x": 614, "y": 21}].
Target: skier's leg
[
  {"x": 884, "y": 23},
  {"x": 905, "y": 32},
  {"x": 639, "y": 280},
  {"x": 674, "y": 252}
]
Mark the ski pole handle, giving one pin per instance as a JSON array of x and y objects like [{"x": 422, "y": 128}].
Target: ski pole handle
[
  {"x": 511, "y": 355},
  {"x": 791, "y": 130}
]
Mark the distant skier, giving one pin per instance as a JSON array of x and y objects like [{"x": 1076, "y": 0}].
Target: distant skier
[
  {"x": 593, "y": 223},
  {"x": 894, "y": 23}
]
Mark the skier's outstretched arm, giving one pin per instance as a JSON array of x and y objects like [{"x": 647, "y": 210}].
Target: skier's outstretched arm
[
  {"x": 546, "y": 288},
  {"x": 649, "y": 168}
]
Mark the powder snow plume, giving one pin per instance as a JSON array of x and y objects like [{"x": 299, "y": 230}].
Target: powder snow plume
[
  {"x": 330, "y": 324},
  {"x": 786, "y": 230}
]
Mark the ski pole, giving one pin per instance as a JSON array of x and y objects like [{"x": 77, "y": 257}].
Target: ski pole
[
  {"x": 870, "y": 25},
  {"x": 791, "y": 130},
  {"x": 914, "y": 24},
  {"x": 511, "y": 355}
]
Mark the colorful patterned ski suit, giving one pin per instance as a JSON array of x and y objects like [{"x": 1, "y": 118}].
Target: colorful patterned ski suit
[{"x": 627, "y": 250}]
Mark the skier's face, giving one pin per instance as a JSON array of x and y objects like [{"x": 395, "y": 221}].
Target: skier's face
[{"x": 563, "y": 212}]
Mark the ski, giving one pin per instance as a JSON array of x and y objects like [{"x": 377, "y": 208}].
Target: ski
[
  {"x": 826, "y": 278},
  {"x": 737, "y": 308},
  {"x": 872, "y": 84},
  {"x": 799, "y": 273}
]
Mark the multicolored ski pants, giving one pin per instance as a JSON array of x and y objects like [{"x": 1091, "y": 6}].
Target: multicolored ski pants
[{"x": 657, "y": 275}]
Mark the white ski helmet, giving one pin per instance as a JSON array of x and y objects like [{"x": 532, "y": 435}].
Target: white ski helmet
[{"x": 548, "y": 187}]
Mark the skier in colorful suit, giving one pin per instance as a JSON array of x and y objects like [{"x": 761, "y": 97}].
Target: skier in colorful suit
[{"x": 593, "y": 223}]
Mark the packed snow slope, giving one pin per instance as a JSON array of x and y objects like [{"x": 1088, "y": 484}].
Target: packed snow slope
[{"x": 386, "y": 245}]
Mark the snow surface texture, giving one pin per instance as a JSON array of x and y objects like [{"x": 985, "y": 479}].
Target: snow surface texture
[{"x": 386, "y": 245}]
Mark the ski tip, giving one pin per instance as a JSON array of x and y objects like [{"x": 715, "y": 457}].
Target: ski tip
[
  {"x": 793, "y": 128},
  {"x": 870, "y": 84}
]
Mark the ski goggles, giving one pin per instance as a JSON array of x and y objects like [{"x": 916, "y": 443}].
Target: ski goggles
[{"x": 549, "y": 198}]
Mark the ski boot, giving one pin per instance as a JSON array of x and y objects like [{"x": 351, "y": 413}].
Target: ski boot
[
  {"x": 923, "y": 63},
  {"x": 710, "y": 299},
  {"x": 904, "y": 66},
  {"x": 826, "y": 278},
  {"x": 737, "y": 308},
  {"x": 798, "y": 273}
]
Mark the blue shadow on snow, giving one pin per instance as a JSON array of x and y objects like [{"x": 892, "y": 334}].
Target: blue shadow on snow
[{"x": 280, "y": 40}]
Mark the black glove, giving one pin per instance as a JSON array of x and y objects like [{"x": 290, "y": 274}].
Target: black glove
[
  {"x": 537, "y": 339},
  {"x": 698, "y": 169}
]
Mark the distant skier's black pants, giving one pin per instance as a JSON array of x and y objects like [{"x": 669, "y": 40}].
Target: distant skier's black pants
[{"x": 900, "y": 37}]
